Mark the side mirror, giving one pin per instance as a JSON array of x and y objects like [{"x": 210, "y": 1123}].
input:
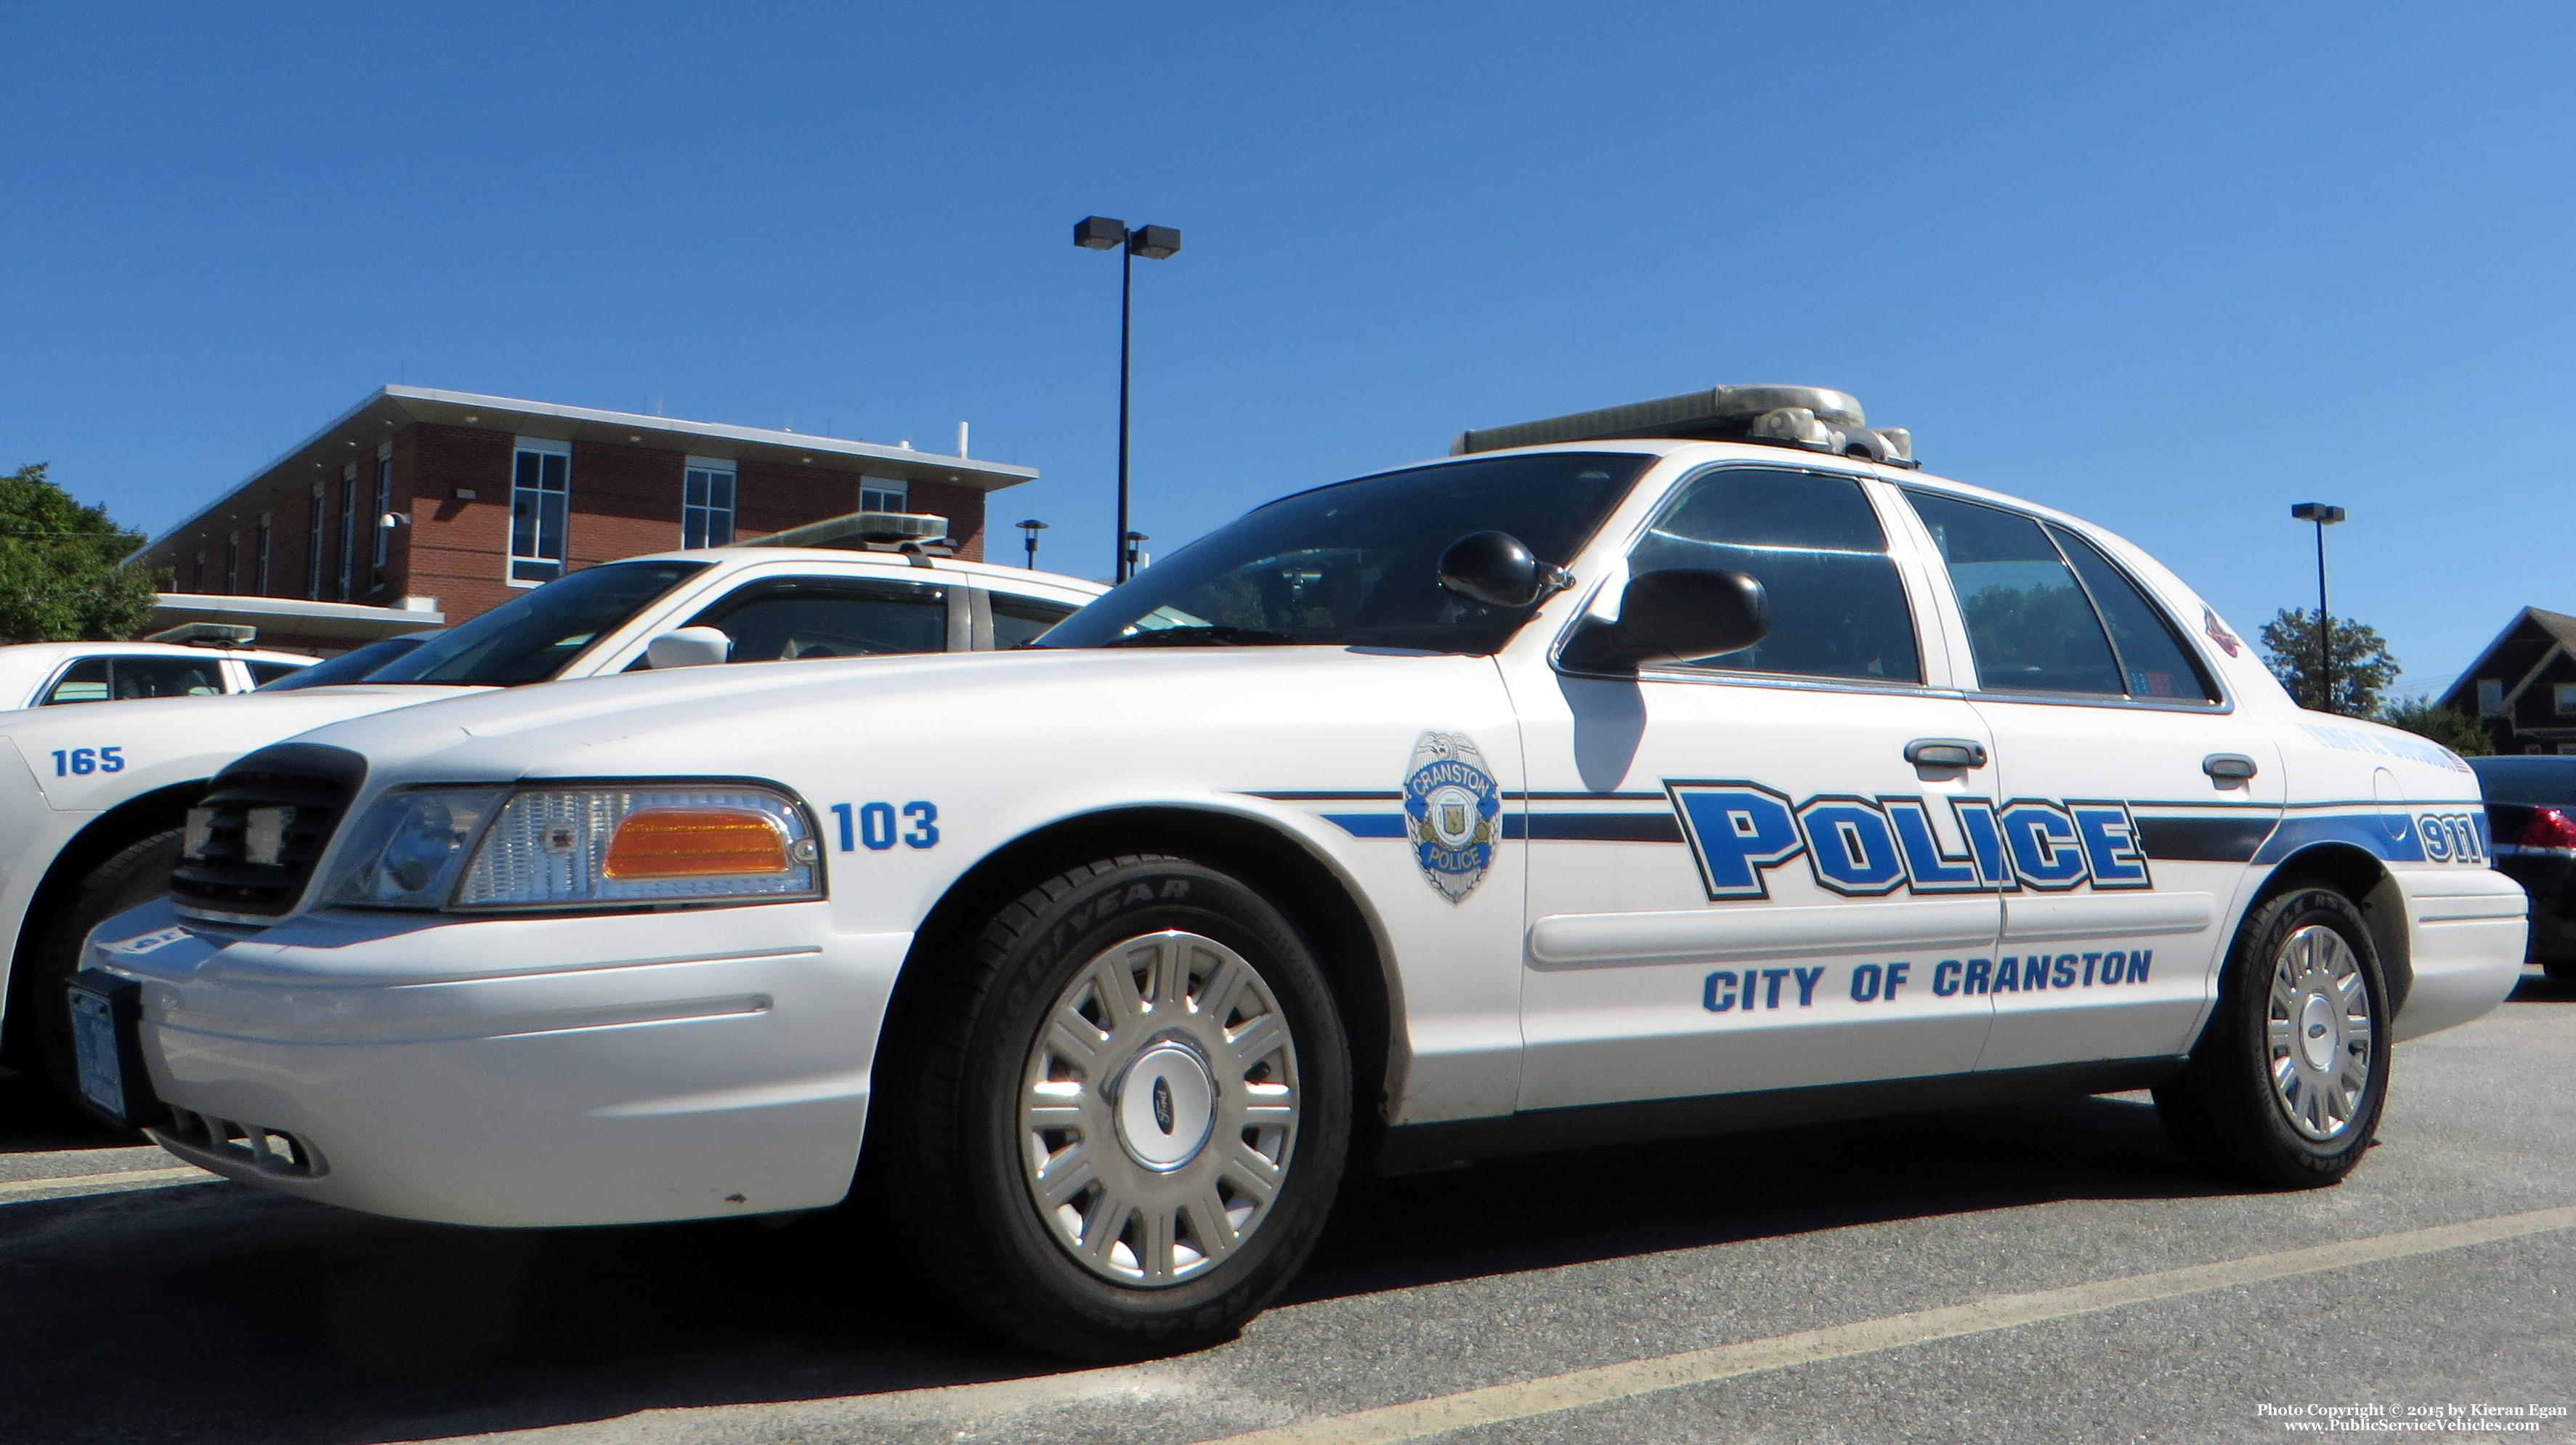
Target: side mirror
[
  {"x": 1673, "y": 616},
  {"x": 688, "y": 647},
  {"x": 1495, "y": 569}
]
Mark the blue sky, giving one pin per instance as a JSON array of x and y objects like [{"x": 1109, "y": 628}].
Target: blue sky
[{"x": 2172, "y": 268}]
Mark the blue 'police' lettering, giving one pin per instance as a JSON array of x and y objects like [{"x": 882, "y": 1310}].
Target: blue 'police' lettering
[
  {"x": 1850, "y": 847},
  {"x": 2045, "y": 852},
  {"x": 2110, "y": 845},
  {"x": 1945, "y": 978},
  {"x": 1929, "y": 867},
  {"x": 1736, "y": 830}
]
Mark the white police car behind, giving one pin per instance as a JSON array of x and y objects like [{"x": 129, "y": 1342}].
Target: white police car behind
[{"x": 1469, "y": 807}]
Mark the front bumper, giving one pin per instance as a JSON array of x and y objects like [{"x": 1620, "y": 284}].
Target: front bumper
[{"x": 518, "y": 1071}]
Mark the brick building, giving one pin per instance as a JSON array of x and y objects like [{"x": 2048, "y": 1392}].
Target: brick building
[{"x": 424, "y": 508}]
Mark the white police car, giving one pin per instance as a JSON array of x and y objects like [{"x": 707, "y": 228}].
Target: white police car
[{"x": 1477, "y": 806}]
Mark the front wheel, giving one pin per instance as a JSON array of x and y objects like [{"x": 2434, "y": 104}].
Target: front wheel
[
  {"x": 1117, "y": 1127},
  {"x": 2286, "y": 1085}
]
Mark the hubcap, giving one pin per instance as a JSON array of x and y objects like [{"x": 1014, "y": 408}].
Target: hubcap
[
  {"x": 1159, "y": 1109},
  {"x": 2319, "y": 1033}
]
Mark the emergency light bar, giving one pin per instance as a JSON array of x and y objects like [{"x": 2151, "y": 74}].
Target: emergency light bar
[
  {"x": 207, "y": 634},
  {"x": 1814, "y": 418}
]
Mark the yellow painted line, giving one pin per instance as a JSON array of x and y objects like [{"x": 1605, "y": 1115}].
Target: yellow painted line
[
  {"x": 1498, "y": 1404},
  {"x": 122, "y": 1179}
]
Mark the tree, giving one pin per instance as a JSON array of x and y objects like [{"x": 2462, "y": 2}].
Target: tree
[
  {"x": 2362, "y": 666},
  {"x": 2450, "y": 727},
  {"x": 62, "y": 566}
]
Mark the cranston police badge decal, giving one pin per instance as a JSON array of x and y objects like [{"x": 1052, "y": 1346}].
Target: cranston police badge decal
[{"x": 1452, "y": 813}]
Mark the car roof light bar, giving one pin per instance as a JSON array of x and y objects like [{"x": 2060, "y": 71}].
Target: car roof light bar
[{"x": 1812, "y": 418}]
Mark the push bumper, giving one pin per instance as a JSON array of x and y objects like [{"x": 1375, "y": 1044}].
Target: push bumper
[{"x": 516, "y": 1071}]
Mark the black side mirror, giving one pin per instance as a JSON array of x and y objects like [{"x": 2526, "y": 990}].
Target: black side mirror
[
  {"x": 1673, "y": 616},
  {"x": 1495, "y": 569}
]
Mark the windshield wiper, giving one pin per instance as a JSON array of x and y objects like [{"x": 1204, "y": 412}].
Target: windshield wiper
[{"x": 1211, "y": 636}]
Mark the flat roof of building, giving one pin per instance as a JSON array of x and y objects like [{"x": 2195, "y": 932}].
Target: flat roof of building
[{"x": 389, "y": 408}]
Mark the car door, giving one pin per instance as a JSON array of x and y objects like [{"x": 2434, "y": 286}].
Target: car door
[
  {"x": 2127, "y": 807},
  {"x": 1758, "y": 871}
]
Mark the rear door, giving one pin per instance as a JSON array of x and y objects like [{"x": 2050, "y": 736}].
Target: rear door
[{"x": 2128, "y": 825}]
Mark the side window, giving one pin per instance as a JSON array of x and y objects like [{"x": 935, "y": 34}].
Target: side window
[
  {"x": 168, "y": 677},
  {"x": 264, "y": 673},
  {"x": 1017, "y": 621},
  {"x": 83, "y": 681},
  {"x": 1812, "y": 541},
  {"x": 2153, "y": 660},
  {"x": 2030, "y": 595},
  {"x": 794, "y": 618}
]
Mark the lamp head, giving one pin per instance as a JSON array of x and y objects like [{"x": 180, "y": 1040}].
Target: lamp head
[
  {"x": 1099, "y": 233},
  {"x": 1154, "y": 243},
  {"x": 2317, "y": 512}
]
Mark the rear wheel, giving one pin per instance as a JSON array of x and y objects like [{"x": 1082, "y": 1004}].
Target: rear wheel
[
  {"x": 134, "y": 876},
  {"x": 2286, "y": 1085},
  {"x": 1118, "y": 1128}
]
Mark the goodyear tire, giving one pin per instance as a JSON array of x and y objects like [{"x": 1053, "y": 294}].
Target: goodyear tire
[
  {"x": 2286, "y": 1085},
  {"x": 1116, "y": 1126},
  {"x": 39, "y": 1014}
]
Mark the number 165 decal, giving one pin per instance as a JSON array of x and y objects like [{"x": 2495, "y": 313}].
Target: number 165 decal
[
  {"x": 81, "y": 762},
  {"x": 877, "y": 826}
]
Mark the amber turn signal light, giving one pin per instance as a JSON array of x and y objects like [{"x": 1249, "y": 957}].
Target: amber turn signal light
[{"x": 694, "y": 843}]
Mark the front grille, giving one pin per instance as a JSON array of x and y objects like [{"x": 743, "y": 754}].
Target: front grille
[{"x": 251, "y": 846}]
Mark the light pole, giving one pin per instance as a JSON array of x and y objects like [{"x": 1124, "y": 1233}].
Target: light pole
[
  {"x": 1154, "y": 243},
  {"x": 1030, "y": 530},
  {"x": 2324, "y": 516},
  {"x": 1134, "y": 551}
]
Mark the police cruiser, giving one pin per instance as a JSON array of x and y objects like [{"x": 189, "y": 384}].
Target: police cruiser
[
  {"x": 1684, "y": 767},
  {"x": 93, "y": 798}
]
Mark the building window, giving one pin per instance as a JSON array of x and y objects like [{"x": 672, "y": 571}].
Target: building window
[
  {"x": 348, "y": 531},
  {"x": 540, "y": 503},
  {"x": 232, "y": 564},
  {"x": 706, "y": 503},
  {"x": 883, "y": 494},
  {"x": 197, "y": 578},
  {"x": 2562, "y": 696},
  {"x": 384, "y": 509},
  {"x": 315, "y": 513},
  {"x": 265, "y": 529},
  {"x": 2490, "y": 697}
]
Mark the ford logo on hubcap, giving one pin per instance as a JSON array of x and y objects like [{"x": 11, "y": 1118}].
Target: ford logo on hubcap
[{"x": 1163, "y": 1104}]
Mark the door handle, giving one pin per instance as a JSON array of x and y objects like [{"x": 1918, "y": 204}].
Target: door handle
[
  {"x": 1946, "y": 753},
  {"x": 2225, "y": 768}
]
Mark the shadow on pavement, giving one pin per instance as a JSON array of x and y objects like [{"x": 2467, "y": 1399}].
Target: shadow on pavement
[{"x": 210, "y": 1313}]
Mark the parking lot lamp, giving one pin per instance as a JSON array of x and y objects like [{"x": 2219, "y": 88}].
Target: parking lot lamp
[
  {"x": 1154, "y": 243},
  {"x": 1029, "y": 530},
  {"x": 1134, "y": 556},
  {"x": 2324, "y": 516}
]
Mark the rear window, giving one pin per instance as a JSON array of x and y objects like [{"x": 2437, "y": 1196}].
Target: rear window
[{"x": 2550, "y": 781}]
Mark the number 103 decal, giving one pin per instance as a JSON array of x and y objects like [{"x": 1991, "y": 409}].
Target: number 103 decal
[
  {"x": 81, "y": 762},
  {"x": 877, "y": 826}
]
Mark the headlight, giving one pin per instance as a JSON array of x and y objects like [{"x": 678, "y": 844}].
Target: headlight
[{"x": 580, "y": 847}]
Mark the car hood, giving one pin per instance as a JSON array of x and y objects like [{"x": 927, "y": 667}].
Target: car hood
[
  {"x": 112, "y": 751},
  {"x": 721, "y": 719}
]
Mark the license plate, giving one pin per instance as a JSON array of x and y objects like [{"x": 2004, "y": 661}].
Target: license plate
[{"x": 102, "y": 1067}]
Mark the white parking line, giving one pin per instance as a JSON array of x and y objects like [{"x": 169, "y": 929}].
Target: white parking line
[
  {"x": 1496, "y": 1404},
  {"x": 122, "y": 1179}
]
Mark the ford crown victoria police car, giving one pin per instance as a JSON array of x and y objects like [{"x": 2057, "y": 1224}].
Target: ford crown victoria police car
[
  {"x": 92, "y": 798},
  {"x": 1629, "y": 774}
]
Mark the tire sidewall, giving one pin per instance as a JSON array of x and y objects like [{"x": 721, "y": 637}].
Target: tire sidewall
[
  {"x": 133, "y": 876},
  {"x": 2250, "y": 1010},
  {"x": 1136, "y": 898}
]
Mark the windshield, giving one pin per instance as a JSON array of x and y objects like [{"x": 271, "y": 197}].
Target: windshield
[
  {"x": 1356, "y": 564},
  {"x": 348, "y": 666},
  {"x": 530, "y": 638}
]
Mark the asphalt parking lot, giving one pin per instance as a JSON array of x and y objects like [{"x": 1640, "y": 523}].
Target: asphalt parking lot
[{"x": 1794, "y": 1286}]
